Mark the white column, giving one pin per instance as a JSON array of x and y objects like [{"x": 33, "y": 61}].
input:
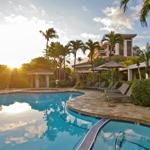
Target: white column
[
  {"x": 125, "y": 48},
  {"x": 129, "y": 74},
  {"x": 47, "y": 81},
  {"x": 146, "y": 76},
  {"x": 37, "y": 81},
  {"x": 117, "y": 49},
  {"x": 131, "y": 47},
  {"x": 107, "y": 50}
]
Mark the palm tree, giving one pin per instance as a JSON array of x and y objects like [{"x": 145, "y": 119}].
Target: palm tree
[
  {"x": 143, "y": 12},
  {"x": 51, "y": 51},
  {"x": 58, "y": 52},
  {"x": 74, "y": 46},
  {"x": 139, "y": 71},
  {"x": 112, "y": 38},
  {"x": 145, "y": 56},
  {"x": 64, "y": 53},
  {"x": 92, "y": 47},
  {"x": 49, "y": 34}
]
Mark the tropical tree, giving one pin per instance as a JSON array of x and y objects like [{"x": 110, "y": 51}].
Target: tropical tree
[
  {"x": 58, "y": 53},
  {"x": 136, "y": 50},
  {"x": 64, "y": 53},
  {"x": 139, "y": 71},
  {"x": 92, "y": 47},
  {"x": 49, "y": 34},
  {"x": 143, "y": 12},
  {"x": 145, "y": 56},
  {"x": 74, "y": 46},
  {"x": 51, "y": 52},
  {"x": 112, "y": 38}
]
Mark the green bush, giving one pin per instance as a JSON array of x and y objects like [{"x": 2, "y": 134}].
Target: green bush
[
  {"x": 65, "y": 84},
  {"x": 141, "y": 92},
  {"x": 80, "y": 85},
  {"x": 52, "y": 83}
]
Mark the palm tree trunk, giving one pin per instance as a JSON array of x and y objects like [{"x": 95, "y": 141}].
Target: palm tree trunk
[
  {"x": 74, "y": 61},
  {"x": 46, "y": 44},
  {"x": 147, "y": 68},
  {"x": 110, "y": 52},
  {"x": 60, "y": 69},
  {"x": 92, "y": 64},
  {"x": 64, "y": 67},
  {"x": 139, "y": 72}
]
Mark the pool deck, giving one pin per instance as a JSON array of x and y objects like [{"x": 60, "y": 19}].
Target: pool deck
[{"x": 93, "y": 103}]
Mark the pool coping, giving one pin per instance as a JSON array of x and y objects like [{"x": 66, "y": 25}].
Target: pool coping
[{"x": 40, "y": 90}]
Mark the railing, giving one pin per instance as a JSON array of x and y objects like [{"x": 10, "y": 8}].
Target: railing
[
  {"x": 92, "y": 134},
  {"x": 138, "y": 140}
]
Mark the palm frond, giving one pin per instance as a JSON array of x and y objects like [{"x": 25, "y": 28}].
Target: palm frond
[
  {"x": 144, "y": 12},
  {"x": 123, "y": 4}
]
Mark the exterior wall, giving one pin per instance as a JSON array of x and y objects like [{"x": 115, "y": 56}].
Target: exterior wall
[
  {"x": 129, "y": 48},
  {"x": 117, "y": 49},
  {"x": 107, "y": 51},
  {"x": 130, "y": 75},
  {"x": 126, "y": 50}
]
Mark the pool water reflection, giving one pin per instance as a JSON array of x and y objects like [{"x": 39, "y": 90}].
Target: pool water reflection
[{"x": 41, "y": 122}]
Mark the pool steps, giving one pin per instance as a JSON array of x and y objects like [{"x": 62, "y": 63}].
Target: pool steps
[{"x": 89, "y": 139}]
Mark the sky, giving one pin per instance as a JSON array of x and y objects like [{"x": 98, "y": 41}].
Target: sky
[{"x": 21, "y": 20}]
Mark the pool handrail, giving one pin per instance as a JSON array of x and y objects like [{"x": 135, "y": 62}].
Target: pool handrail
[{"x": 90, "y": 137}]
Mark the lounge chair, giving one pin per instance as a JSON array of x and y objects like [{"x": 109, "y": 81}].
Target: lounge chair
[
  {"x": 111, "y": 86},
  {"x": 120, "y": 96},
  {"x": 102, "y": 84},
  {"x": 114, "y": 86},
  {"x": 122, "y": 89},
  {"x": 94, "y": 87}
]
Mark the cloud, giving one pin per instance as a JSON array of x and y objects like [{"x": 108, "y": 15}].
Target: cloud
[
  {"x": 30, "y": 133},
  {"x": 23, "y": 8},
  {"x": 84, "y": 8},
  {"x": 90, "y": 36},
  {"x": 143, "y": 36},
  {"x": 135, "y": 9},
  {"x": 114, "y": 19},
  {"x": 12, "y": 126}
]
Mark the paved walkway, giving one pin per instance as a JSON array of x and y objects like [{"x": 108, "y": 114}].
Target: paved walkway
[{"x": 94, "y": 103}]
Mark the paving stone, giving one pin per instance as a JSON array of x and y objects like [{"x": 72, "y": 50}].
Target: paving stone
[{"x": 95, "y": 104}]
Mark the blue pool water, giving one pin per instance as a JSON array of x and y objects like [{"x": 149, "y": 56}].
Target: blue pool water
[
  {"x": 40, "y": 122},
  {"x": 123, "y": 136}
]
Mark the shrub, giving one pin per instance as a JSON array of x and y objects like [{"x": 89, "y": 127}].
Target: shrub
[
  {"x": 65, "y": 84},
  {"x": 52, "y": 83},
  {"x": 141, "y": 92},
  {"x": 80, "y": 85}
]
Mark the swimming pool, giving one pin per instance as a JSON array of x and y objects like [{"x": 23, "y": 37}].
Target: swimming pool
[{"x": 40, "y": 122}]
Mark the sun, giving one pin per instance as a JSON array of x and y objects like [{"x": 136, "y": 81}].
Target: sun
[{"x": 13, "y": 65}]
